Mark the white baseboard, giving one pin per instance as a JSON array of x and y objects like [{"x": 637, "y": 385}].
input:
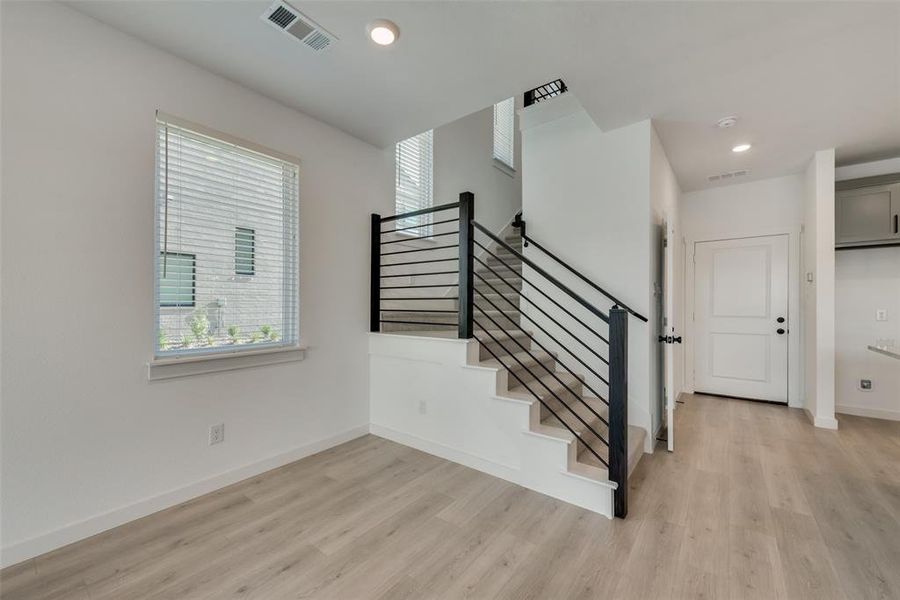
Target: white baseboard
[
  {"x": 19, "y": 551},
  {"x": 496, "y": 469},
  {"x": 826, "y": 422},
  {"x": 821, "y": 422},
  {"x": 875, "y": 413}
]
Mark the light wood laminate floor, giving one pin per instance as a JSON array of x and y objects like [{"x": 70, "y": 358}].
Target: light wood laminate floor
[{"x": 754, "y": 503}]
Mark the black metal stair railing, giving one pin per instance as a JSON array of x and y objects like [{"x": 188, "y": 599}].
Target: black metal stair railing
[
  {"x": 507, "y": 337},
  {"x": 616, "y": 439},
  {"x": 520, "y": 224},
  {"x": 402, "y": 268}
]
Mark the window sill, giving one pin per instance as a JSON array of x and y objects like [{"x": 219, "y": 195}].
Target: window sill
[
  {"x": 172, "y": 368},
  {"x": 410, "y": 240},
  {"x": 504, "y": 168}
]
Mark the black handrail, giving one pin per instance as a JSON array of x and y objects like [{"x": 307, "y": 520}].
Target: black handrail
[
  {"x": 540, "y": 291},
  {"x": 590, "y": 307},
  {"x": 519, "y": 222},
  {"x": 421, "y": 211},
  {"x": 555, "y": 385},
  {"x": 464, "y": 245}
]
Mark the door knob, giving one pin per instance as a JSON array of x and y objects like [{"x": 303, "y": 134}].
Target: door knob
[
  {"x": 780, "y": 331},
  {"x": 677, "y": 339},
  {"x": 780, "y": 319}
]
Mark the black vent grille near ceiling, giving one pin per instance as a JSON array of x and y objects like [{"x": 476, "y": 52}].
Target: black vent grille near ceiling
[
  {"x": 282, "y": 17},
  {"x": 543, "y": 92}
]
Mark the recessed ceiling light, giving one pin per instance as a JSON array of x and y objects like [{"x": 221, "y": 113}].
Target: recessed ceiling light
[
  {"x": 383, "y": 32},
  {"x": 741, "y": 148}
]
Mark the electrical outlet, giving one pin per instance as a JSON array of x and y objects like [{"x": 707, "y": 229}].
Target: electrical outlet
[
  {"x": 423, "y": 407},
  {"x": 865, "y": 385},
  {"x": 217, "y": 434},
  {"x": 881, "y": 314}
]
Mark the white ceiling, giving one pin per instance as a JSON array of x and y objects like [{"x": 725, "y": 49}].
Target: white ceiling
[{"x": 800, "y": 76}]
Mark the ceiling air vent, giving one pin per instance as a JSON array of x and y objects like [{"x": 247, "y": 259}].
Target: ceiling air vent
[
  {"x": 284, "y": 17},
  {"x": 727, "y": 176}
]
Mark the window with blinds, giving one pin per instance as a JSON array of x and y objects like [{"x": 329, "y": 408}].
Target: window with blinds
[
  {"x": 414, "y": 181},
  {"x": 226, "y": 233},
  {"x": 504, "y": 132}
]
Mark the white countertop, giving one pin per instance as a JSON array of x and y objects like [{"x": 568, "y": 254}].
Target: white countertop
[{"x": 886, "y": 352}]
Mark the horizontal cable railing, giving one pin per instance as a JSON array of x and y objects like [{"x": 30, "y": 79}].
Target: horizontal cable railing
[
  {"x": 550, "y": 278},
  {"x": 571, "y": 359},
  {"x": 424, "y": 267},
  {"x": 520, "y": 224},
  {"x": 528, "y": 304}
]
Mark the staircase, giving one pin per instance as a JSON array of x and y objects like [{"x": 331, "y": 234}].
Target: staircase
[
  {"x": 508, "y": 336},
  {"x": 533, "y": 370}
]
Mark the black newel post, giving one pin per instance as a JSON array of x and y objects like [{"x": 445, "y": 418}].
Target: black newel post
[
  {"x": 466, "y": 262},
  {"x": 375, "y": 280},
  {"x": 618, "y": 408}
]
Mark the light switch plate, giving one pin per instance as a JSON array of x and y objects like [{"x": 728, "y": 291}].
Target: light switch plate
[{"x": 881, "y": 314}]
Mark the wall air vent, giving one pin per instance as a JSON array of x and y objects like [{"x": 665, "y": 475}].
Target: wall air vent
[
  {"x": 285, "y": 18},
  {"x": 727, "y": 176}
]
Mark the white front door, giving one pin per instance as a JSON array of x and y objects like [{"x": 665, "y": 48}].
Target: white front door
[{"x": 740, "y": 317}]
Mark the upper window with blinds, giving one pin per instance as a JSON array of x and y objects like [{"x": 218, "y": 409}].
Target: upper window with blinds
[
  {"x": 226, "y": 233},
  {"x": 504, "y": 132},
  {"x": 414, "y": 182}
]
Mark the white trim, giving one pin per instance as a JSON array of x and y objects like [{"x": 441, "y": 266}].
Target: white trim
[
  {"x": 226, "y": 137},
  {"x": 509, "y": 473},
  {"x": 504, "y": 168},
  {"x": 795, "y": 364},
  {"x": 187, "y": 365},
  {"x": 874, "y": 413},
  {"x": 20, "y": 551},
  {"x": 821, "y": 422}
]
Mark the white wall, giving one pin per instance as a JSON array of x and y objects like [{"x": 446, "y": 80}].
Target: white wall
[
  {"x": 665, "y": 195},
  {"x": 818, "y": 293},
  {"x": 764, "y": 207},
  {"x": 463, "y": 162},
  {"x": 586, "y": 196},
  {"x": 87, "y": 442},
  {"x": 866, "y": 279},
  {"x": 431, "y": 394},
  {"x": 759, "y": 205}
]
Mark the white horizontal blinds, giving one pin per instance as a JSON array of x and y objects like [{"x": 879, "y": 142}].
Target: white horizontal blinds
[
  {"x": 227, "y": 236},
  {"x": 504, "y": 132},
  {"x": 414, "y": 181}
]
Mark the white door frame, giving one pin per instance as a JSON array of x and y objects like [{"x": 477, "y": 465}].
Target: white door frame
[
  {"x": 668, "y": 350},
  {"x": 794, "y": 358}
]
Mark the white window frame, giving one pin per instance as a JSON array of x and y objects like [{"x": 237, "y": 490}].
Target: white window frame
[
  {"x": 504, "y": 148},
  {"x": 416, "y": 151},
  {"x": 210, "y": 360}
]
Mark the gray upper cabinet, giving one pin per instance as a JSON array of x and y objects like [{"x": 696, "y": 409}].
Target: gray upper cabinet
[{"x": 867, "y": 215}]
